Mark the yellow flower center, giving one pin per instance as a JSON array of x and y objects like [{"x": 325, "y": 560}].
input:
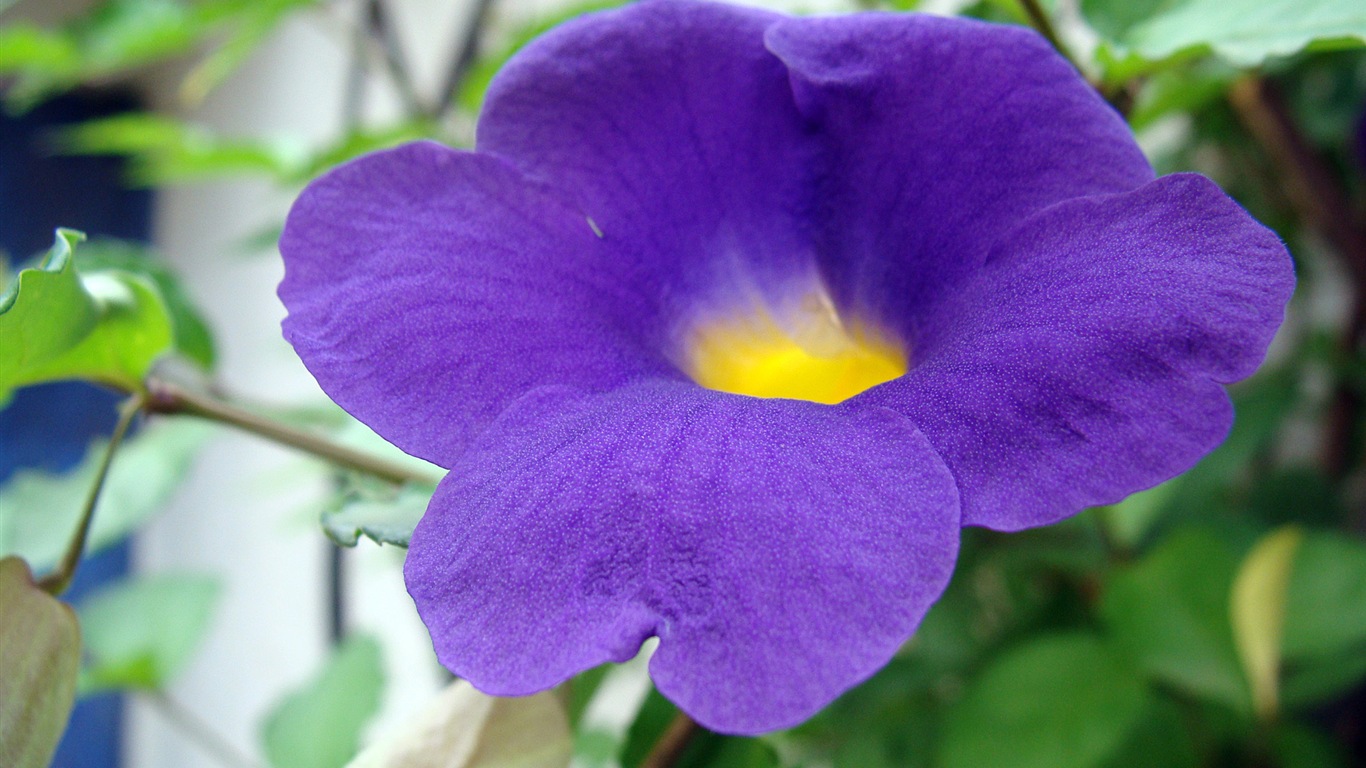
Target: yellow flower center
[{"x": 813, "y": 356}]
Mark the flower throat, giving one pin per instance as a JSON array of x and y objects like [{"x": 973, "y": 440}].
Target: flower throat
[{"x": 814, "y": 356}]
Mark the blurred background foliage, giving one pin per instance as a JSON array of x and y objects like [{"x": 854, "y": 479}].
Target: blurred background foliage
[{"x": 1216, "y": 620}]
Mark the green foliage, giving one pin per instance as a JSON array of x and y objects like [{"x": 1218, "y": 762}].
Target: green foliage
[
  {"x": 40, "y": 651},
  {"x": 139, "y": 633},
  {"x": 318, "y": 726},
  {"x": 192, "y": 337},
  {"x": 40, "y": 510},
  {"x": 1170, "y": 612},
  {"x": 383, "y": 514},
  {"x": 1063, "y": 701},
  {"x": 1244, "y": 32},
  {"x": 122, "y": 35},
  {"x": 164, "y": 150},
  {"x": 107, "y": 326}
]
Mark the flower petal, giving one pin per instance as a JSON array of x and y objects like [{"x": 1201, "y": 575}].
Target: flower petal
[
  {"x": 673, "y": 128},
  {"x": 1084, "y": 361},
  {"x": 781, "y": 550},
  {"x": 939, "y": 135},
  {"x": 427, "y": 288}
]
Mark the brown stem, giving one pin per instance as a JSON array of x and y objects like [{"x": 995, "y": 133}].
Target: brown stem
[
  {"x": 164, "y": 397},
  {"x": 1325, "y": 205},
  {"x": 55, "y": 583},
  {"x": 671, "y": 744}
]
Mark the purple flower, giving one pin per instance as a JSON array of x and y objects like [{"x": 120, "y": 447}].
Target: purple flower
[{"x": 932, "y": 228}]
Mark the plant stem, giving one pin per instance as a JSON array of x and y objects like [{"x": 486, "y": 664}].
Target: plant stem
[
  {"x": 55, "y": 583},
  {"x": 170, "y": 399},
  {"x": 671, "y": 744},
  {"x": 1039, "y": 20},
  {"x": 200, "y": 732}
]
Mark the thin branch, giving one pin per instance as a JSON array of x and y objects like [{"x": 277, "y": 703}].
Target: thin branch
[
  {"x": 672, "y": 743},
  {"x": 464, "y": 58},
  {"x": 1324, "y": 204},
  {"x": 200, "y": 732},
  {"x": 55, "y": 583},
  {"x": 171, "y": 399}
]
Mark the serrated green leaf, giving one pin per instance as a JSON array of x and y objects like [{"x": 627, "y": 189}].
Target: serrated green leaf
[
  {"x": 55, "y": 323},
  {"x": 319, "y": 725},
  {"x": 1064, "y": 701},
  {"x": 1257, "y": 611},
  {"x": 139, "y": 633},
  {"x": 365, "y": 506},
  {"x": 1243, "y": 32},
  {"x": 40, "y": 650},
  {"x": 463, "y": 728},
  {"x": 1169, "y": 611},
  {"x": 383, "y": 521},
  {"x": 39, "y": 510}
]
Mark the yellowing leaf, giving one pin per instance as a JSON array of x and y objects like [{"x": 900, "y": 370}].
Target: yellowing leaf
[{"x": 1257, "y": 609}]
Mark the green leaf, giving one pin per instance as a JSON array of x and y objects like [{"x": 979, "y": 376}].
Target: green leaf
[
  {"x": 165, "y": 150},
  {"x": 319, "y": 725},
  {"x": 28, "y": 46},
  {"x": 40, "y": 510},
  {"x": 1243, "y": 32},
  {"x": 368, "y": 507},
  {"x": 251, "y": 23},
  {"x": 388, "y": 520},
  {"x": 463, "y": 728},
  {"x": 1064, "y": 701},
  {"x": 1311, "y": 682},
  {"x": 115, "y": 36},
  {"x": 40, "y": 651},
  {"x": 1162, "y": 739},
  {"x": 1300, "y": 746},
  {"x": 1169, "y": 611},
  {"x": 192, "y": 336},
  {"x": 55, "y": 323},
  {"x": 1257, "y": 610},
  {"x": 139, "y": 633},
  {"x": 1326, "y": 602}
]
